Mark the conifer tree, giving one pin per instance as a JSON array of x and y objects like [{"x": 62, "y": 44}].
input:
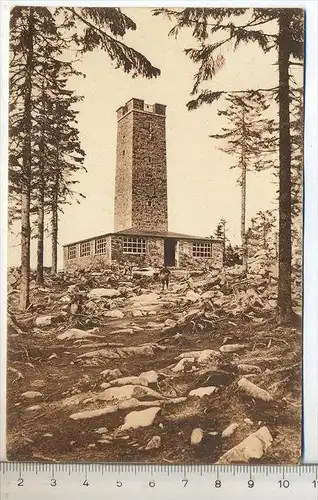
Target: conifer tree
[
  {"x": 217, "y": 28},
  {"x": 248, "y": 137},
  {"x": 37, "y": 36}
]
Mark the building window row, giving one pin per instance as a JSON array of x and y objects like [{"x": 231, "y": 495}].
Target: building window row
[
  {"x": 202, "y": 249},
  {"x": 134, "y": 245},
  {"x": 85, "y": 249}
]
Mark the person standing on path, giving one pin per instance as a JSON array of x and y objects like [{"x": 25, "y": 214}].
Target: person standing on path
[{"x": 164, "y": 275}]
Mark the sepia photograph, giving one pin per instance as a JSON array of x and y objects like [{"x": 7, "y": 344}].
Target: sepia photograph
[{"x": 155, "y": 235}]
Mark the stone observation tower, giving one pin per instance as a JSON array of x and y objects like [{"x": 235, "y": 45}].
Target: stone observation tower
[
  {"x": 141, "y": 167},
  {"x": 141, "y": 237}
]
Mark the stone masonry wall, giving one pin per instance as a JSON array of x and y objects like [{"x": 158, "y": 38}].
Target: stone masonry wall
[
  {"x": 149, "y": 173},
  {"x": 123, "y": 178},
  {"x": 93, "y": 260},
  {"x": 152, "y": 258},
  {"x": 186, "y": 259}
]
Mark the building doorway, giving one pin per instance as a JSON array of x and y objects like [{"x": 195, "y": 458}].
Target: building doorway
[{"x": 170, "y": 252}]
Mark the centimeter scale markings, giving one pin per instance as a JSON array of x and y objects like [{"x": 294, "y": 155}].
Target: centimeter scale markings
[{"x": 32, "y": 480}]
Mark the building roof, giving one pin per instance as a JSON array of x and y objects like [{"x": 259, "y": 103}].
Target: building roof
[{"x": 147, "y": 233}]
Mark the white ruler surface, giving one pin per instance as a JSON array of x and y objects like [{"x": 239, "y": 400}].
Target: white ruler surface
[{"x": 156, "y": 482}]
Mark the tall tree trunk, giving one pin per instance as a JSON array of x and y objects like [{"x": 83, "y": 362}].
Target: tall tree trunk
[
  {"x": 26, "y": 173},
  {"x": 243, "y": 194},
  {"x": 284, "y": 303},
  {"x": 40, "y": 222},
  {"x": 54, "y": 223}
]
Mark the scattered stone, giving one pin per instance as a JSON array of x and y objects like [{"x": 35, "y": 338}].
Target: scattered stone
[
  {"x": 33, "y": 408},
  {"x": 47, "y": 435},
  {"x": 31, "y": 394},
  {"x": 139, "y": 350},
  {"x": 154, "y": 443},
  {"x": 98, "y": 293},
  {"x": 184, "y": 364},
  {"x": 76, "y": 333},
  {"x": 128, "y": 392},
  {"x": 170, "y": 323},
  {"x": 192, "y": 296},
  {"x": 101, "y": 430},
  {"x": 137, "y": 313},
  {"x": 208, "y": 295},
  {"x": 196, "y": 436},
  {"x": 248, "y": 421},
  {"x": 254, "y": 391},
  {"x": 91, "y": 445},
  {"x": 142, "y": 418},
  {"x": 253, "y": 447},
  {"x": 116, "y": 313},
  {"x": 245, "y": 368},
  {"x": 112, "y": 374},
  {"x": 129, "y": 381},
  {"x": 227, "y": 348},
  {"x": 53, "y": 356},
  {"x": 103, "y": 353},
  {"x": 202, "y": 391},
  {"x": 151, "y": 376},
  {"x": 229, "y": 430},
  {"x": 43, "y": 320}
]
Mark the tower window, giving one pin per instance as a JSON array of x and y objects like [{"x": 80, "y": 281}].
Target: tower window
[
  {"x": 85, "y": 249},
  {"x": 124, "y": 152},
  {"x": 201, "y": 249},
  {"x": 149, "y": 203},
  {"x": 149, "y": 159},
  {"x": 134, "y": 245}
]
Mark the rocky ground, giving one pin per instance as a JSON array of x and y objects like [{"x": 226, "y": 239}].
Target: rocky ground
[{"x": 107, "y": 367}]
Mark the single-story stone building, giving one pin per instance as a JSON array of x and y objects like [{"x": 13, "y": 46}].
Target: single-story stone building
[
  {"x": 141, "y": 236},
  {"x": 145, "y": 249}
]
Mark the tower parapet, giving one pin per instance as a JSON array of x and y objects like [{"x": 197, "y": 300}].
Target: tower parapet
[{"x": 140, "y": 105}]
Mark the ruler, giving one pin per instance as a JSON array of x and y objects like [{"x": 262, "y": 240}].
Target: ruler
[{"x": 165, "y": 482}]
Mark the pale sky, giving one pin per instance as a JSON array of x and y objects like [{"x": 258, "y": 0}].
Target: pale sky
[{"x": 201, "y": 188}]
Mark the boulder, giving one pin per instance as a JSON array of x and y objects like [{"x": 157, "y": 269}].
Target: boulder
[
  {"x": 115, "y": 313},
  {"x": 185, "y": 364},
  {"x": 192, "y": 296},
  {"x": 44, "y": 320},
  {"x": 103, "y": 353},
  {"x": 252, "y": 390},
  {"x": 253, "y": 447},
  {"x": 196, "y": 436},
  {"x": 31, "y": 394},
  {"x": 98, "y": 293},
  {"x": 227, "y": 348},
  {"x": 202, "y": 391},
  {"x": 142, "y": 418},
  {"x": 128, "y": 392},
  {"x": 129, "y": 381},
  {"x": 154, "y": 443},
  {"x": 76, "y": 333},
  {"x": 230, "y": 429},
  {"x": 151, "y": 376},
  {"x": 170, "y": 323},
  {"x": 111, "y": 374}
]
